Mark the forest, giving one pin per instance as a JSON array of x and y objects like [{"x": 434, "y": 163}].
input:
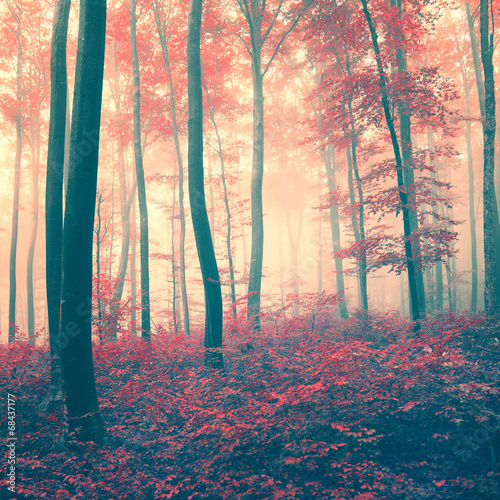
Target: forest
[{"x": 251, "y": 249}]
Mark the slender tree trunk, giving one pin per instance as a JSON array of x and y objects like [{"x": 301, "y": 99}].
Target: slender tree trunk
[
  {"x": 257, "y": 249},
  {"x": 243, "y": 232},
  {"x": 175, "y": 130},
  {"x": 490, "y": 209},
  {"x": 17, "y": 181},
  {"x": 320, "y": 255},
  {"x": 412, "y": 282},
  {"x": 125, "y": 206},
  {"x": 229, "y": 250},
  {"x": 409, "y": 174},
  {"x": 54, "y": 186},
  {"x": 98, "y": 265},
  {"x": 439, "y": 265},
  {"x": 470, "y": 169},
  {"x": 204, "y": 245},
  {"x": 82, "y": 406},
  {"x": 141, "y": 185},
  {"x": 174, "y": 278},
  {"x": 133, "y": 272},
  {"x": 35, "y": 149},
  {"x": 476, "y": 59},
  {"x": 330, "y": 167},
  {"x": 294, "y": 257},
  {"x": 211, "y": 211}
]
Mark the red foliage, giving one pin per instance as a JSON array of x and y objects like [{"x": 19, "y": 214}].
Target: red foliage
[{"x": 357, "y": 410}]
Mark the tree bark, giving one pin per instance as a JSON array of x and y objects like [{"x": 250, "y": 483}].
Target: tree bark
[
  {"x": 35, "y": 153},
  {"x": 17, "y": 14},
  {"x": 409, "y": 173},
  {"x": 175, "y": 130},
  {"x": 54, "y": 186},
  {"x": 330, "y": 168},
  {"x": 204, "y": 245},
  {"x": 490, "y": 209},
  {"x": 412, "y": 282},
  {"x": 133, "y": 272},
  {"x": 141, "y": 185},
  {"x": 472, "y": 203},
  {"x": 84, "y": 420}
]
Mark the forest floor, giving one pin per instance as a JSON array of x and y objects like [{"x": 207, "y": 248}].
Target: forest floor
[{"x": 317, "y": 408}]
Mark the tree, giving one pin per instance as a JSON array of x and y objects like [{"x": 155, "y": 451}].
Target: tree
[
  {"x": 160, "y": 26},
  {"x": 407, "y": 156},
  {"x": 54, "y": 184},
  {"x": 16, "y": 11},
  {"x": 83, "y": 415},
  {"x": 490, "y": 208},
  {"x": 204, "y": 244},
  {"x": 141, "y": 185},
  {"x": 412, "y": 283},
  {"x": 254, "y": 12}
]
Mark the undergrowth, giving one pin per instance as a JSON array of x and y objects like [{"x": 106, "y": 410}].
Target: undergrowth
[{"x": 343, "y": 410}]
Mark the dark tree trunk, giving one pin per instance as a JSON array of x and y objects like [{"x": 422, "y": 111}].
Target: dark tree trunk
[
  {"x": 141, "y": 185},
  {"x": 54, "y": 185},
  {"x": 490, "y": 209},
  {"x": 204, "y": 245},
  {"x": 409, "y": 173},
  {"x": 83, "y": 415},
  {"x": 17, "y": 14},
  {"x": 412, "y": 282}
]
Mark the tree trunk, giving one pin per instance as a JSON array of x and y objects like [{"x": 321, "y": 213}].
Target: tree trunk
[
  {"x": 257, "y": 249},
  {"x": 133, "y": 272},
  {"x": 141, "y": 185},
  {"x": 472, "y": 204},
  {"x": 175, "y": 130},
  {"x": 490, "y": 209},
  {"x": 125, "y": 206},
  {"x": 320, "y": 256},
  {"x": 294, "y": 257},
  {"x": 35, "y": 151},
  {"x": 174, "y": 278},
  {"x": 229, "y": 250},
  {"x": 54, "y": 186},
  {"x": 412, "y": 282},
  {"x": 330, "y": 167},
  {"x": 17, "y": 182},
  {"x": 476, "y": 59},
  {"x": 439, "y": 264},
  {"x": 84, "y": 419},
  {"x": 204, "y": 245},
  {"x": 409, "y": 174}
]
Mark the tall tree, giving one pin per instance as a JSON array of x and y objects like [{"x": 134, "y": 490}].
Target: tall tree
[
  {"x": 407, "y": 156},
  {"x": 83, "y": 415},
  {"x": 490, "y": 209},
  {"x": 254, "y": 12},
  {"x": 403, "y": 196},
  {"x": 160, "y": 26},
  {"x": 54, "y": 184},
  {"x": 204, "y": 244},
  {"x": 16, "y": 11},
  {"x": 141, "y": 184}
]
